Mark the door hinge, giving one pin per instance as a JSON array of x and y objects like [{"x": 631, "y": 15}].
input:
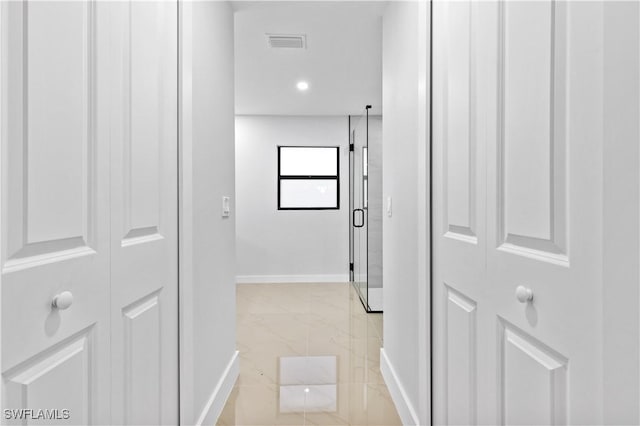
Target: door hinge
[
  {"x": 351, "y": 266},
  {"x": 351, "y": 147}
]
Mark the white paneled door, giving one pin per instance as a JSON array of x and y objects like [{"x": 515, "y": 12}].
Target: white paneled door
[
  {"x": 89, "y": 201},
  {"x": 144, "y": 244},
  {"x": 517, "y": 143}
]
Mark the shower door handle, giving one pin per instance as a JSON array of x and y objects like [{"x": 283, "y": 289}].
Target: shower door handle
[{"x": 361, "y": 218}]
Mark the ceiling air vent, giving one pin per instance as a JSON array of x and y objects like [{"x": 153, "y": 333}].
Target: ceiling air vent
[{"x": 287, "y": 41}]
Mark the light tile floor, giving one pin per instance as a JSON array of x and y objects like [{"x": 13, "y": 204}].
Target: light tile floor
[{"x": 309, "y": 355}]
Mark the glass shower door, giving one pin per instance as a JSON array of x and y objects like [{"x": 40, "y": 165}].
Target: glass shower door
[{"x": 359, "y": 211}]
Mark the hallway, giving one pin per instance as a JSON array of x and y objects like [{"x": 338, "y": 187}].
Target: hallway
[
  {"x": 196, "y": 198},
  {"x": 294, "y": 337}
]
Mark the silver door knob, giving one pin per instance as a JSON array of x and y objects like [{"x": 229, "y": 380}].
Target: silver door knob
[
  {"x": 524, "y": 294},
  {"x": 63, "y": 300}
]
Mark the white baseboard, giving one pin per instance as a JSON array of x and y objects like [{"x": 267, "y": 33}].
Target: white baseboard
[
  {"x": 406, "y": 411},
  {"x": 218, "y": 398},
  {"x": 260, "y": 279}
]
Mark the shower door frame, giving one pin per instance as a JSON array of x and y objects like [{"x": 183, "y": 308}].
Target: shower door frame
[{"x": 352, "y": 195}]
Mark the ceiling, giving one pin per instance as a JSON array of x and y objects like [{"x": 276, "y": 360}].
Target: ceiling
[{"x": 342, "y": 61}]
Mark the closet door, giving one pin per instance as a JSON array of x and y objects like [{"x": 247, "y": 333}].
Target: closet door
[
  {"x": 55, "y": 211},
  {"x": 518, "y": 258},
  {"x": 144, "y": 281},
  {"x": 545, "y": 206},
  {"x": 459, "y": 222}
]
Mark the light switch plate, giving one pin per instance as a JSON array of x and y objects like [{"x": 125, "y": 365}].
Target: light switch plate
[{"x": 226, "y": 206}]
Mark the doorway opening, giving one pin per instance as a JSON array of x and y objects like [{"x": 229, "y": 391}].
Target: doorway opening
[{"x": 304, "y": 71}]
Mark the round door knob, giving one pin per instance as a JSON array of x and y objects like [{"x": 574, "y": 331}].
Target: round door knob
[
  {"x": 63, "y": 300},
  {"x": 524, "y": 294}
]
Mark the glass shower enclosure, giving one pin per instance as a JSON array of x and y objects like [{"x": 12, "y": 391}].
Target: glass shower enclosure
[{"x": 365, "y": 203}]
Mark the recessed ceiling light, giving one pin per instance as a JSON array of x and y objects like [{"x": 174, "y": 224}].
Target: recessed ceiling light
[{"x": 302, "y": 86}]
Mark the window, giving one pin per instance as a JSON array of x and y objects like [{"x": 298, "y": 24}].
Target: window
[{"x": 308, "y": 178}]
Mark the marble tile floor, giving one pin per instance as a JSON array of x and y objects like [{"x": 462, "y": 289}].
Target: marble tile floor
[{"x": 309, "y": 355}]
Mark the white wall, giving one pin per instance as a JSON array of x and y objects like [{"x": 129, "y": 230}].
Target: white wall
[
  {"x": 209, "y": 365},
  {"x": 287, "y": 245},
  {"x": 405, "y": 356}
]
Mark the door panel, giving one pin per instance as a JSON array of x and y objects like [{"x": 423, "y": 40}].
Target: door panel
[
  {"x": 459, "y": 154},
  {"x": 512, "y": 121},
  {"x": 532, "y": 380},
  {"x": 50, "y": 202},
  {"x": 55, "y": 213},
  {"x": 565, "y": 259},
  {"x": 89, "y": 150},
  {"x": 142, "y": 363},
  {"x": 33, "y": 384},
  {"x": 144, "y": 109},
  {"x": 459, "y": 226},
  {"x": 532, "y": 139},
  {"x": 144, "y": 201},
  {"x": 461, "y": 336}
]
